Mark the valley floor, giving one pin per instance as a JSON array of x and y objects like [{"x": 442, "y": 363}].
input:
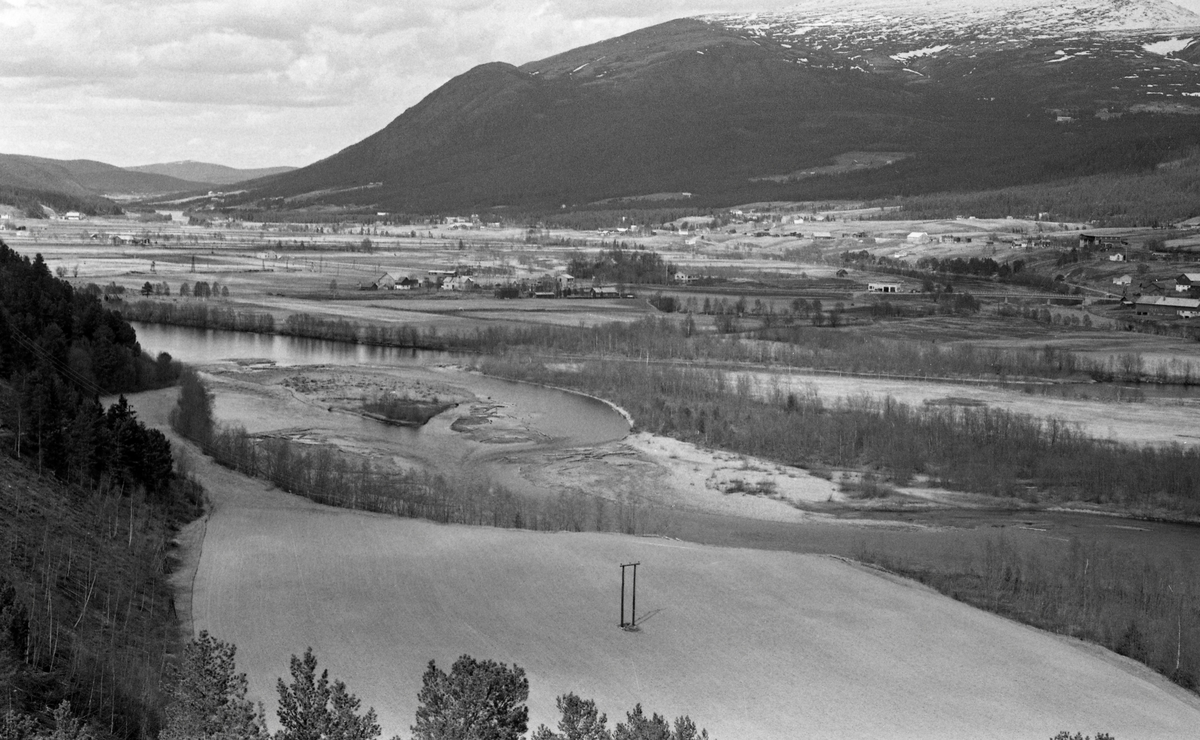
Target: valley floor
[{"x": 800, "y": 643}]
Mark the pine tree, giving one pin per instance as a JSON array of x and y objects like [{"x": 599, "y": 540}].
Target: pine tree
[
  {"x": 478, "y": 700},
  {"x": 209, "y": 697},
  {"x": 580, "y": 721},
  {"x": 312, "y": 708}
]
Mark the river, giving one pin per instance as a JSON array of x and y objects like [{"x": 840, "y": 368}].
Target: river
[
  {"x": 572, "y": 420},
  {"x": 565, "y": 419}
]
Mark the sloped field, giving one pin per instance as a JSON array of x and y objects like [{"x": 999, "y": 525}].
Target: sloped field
[{"x": 751, "y": 644}]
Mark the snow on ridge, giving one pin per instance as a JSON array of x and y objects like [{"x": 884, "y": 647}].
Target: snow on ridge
[{"x": 908, "y": 16}]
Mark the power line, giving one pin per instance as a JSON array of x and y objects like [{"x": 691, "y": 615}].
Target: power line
[{"x": 63, "y": 369}]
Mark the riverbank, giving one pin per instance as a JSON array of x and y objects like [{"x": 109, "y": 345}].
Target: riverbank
[{"x": 517, "y": 439}]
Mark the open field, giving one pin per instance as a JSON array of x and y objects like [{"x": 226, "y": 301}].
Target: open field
[{"x": 802, "y": 644}]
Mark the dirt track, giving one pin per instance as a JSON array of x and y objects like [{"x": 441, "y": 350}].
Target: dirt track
[{"x": 752, "y": 644}]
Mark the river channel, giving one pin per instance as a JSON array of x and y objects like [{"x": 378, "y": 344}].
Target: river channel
[
  {"x": 571, "y": 420},
  {"x": 560, "y": 418}
]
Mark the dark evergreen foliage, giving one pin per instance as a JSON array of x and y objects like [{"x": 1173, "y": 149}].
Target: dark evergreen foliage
[
  {"x": 208, "y": 696},
  {"x": 477, "y": 700},
  {"x": 622, "y": 265},
  {"x": 312, "y": 707},
  {"x": 60, "y": 349},
  {"x": 31, "y": 201}
]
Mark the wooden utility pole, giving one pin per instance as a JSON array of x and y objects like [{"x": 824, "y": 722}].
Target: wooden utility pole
[{"x": 632, "y": 623}]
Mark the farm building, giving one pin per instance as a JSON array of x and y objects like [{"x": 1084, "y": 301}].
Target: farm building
[
  {"x": 1187, "y": 281},
  {"x": 883, "y": 287},
  {"x": 1101, "y": 240},
  {"x": 460, "y": 282},
  {"x": 605, "y": 292},
  {"x": 917, "y": 237},
  {"x": 1167, "y": 306},
  {"x": 1118, "y": 257},
  {"x": 384, "y": 282},
  {"x": 1125, "y": 279},
  {"x": 137, "y": 241}
]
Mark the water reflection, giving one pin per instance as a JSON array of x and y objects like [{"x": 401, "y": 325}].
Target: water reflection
[
  {"x": 564, "y": 418},
  {"x": 214, "y": 345}
]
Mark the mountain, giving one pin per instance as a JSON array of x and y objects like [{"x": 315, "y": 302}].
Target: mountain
[
  {"x": 84, "y": 178},
  {"x": 217, "y": 174},
  {"x": 78, "y": 184},
  {"x": 829, "y": 99}
]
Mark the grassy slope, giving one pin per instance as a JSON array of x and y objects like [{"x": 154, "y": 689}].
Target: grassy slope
[{"x": 749, "y": 643}]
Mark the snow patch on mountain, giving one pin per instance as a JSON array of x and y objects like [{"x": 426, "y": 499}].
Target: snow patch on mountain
[
  {"x": 904, "y": 56},
  {"x": 1168, "y": 46}
]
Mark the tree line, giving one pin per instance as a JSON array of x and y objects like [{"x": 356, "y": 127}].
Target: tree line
[
  {"x": 1143, "y": 606},
  {"x": 61, "y": 351},
  {"x": 981, "y": 450},
  {"x": 200, "y": 315},
  {"x": 619, "y": 264},
  {"x": 84, "y": 604},
  {"x": 814, "y": 347},
  {"x": 474, "y": 700},
  {"x": 336, "y": 478},
  {"x": 1149, "y": 196}
]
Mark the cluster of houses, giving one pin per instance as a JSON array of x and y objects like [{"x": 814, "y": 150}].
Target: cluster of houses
[
  {"x": 1180, "y": 304},
  {"x": 545, "y": 286},
  {"x": 119, "y": 240}
]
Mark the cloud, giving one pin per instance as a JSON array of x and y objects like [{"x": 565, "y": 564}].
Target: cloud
[{"x": 258, "y": 82}]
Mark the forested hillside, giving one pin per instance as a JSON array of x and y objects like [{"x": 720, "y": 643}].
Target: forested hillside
[
  {"x": 1167, "y": 193},
  {"x": 88, "y": 502},
  {"x": 61, "y": 350},
  {"x": 30, "y": 201}
]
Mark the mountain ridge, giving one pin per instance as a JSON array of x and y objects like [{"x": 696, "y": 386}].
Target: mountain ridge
[
  {"x": 722, "y": 105},
  {"x": 84, "y": 178},
  {"x": 206, "y": 172}
]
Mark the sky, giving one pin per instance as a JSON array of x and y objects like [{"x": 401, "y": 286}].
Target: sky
[{"x": 261, "y": 83}]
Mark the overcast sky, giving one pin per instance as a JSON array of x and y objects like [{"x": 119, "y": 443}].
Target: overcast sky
[{"x": 258, "y": 83}]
